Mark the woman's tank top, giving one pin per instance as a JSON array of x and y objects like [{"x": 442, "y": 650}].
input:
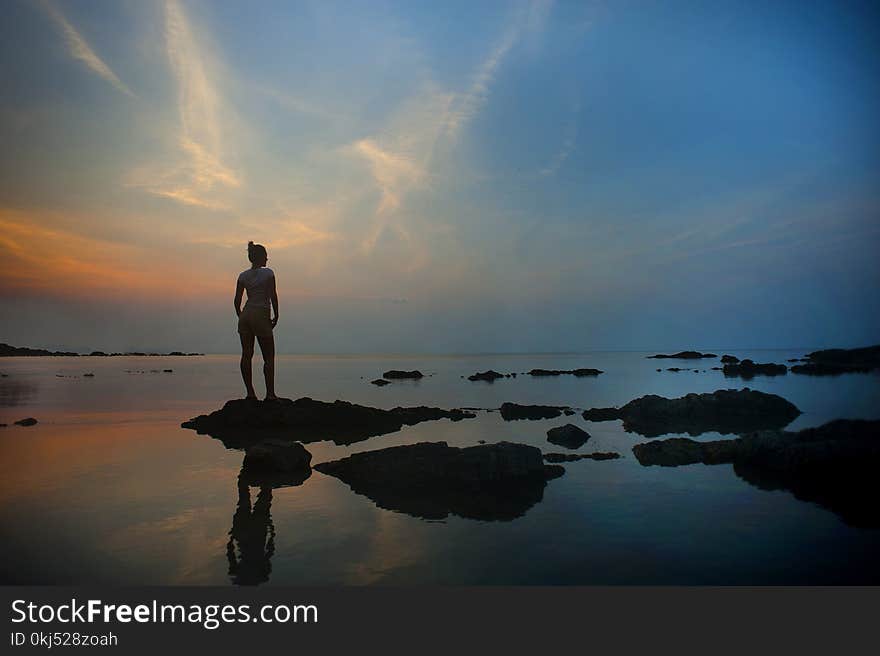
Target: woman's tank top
[{"x": 257, "y": 283}]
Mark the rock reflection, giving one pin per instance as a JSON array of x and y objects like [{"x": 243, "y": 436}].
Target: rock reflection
[
  {"x": 833, "y": 465},
  {"x": 15, "y": 392},
  {"x": 492, "y": 482}
]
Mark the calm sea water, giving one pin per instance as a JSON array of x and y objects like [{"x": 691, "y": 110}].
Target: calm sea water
[{"x": 107, "y": 488}]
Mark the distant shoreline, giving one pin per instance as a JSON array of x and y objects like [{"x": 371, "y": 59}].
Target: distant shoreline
[{"x": 8, "y": 351}]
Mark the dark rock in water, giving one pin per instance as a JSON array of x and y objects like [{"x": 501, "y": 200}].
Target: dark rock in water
[
  {"x": 242, "y": 422},
  {"x": 27, "y": 421},
  {"x": 432, "y": 480},
  {"x": 88, "y": 375},
  {"x": 729, "y": 359},
  {"x": 568, "y": 412},
  {"x": 601, "y": 414},
  {"x": 834, "y": 465},
  {"x": 98, "y": 354},
  {"x": 568, "y": 436},
  {"x": 833, "y": 362},
  {"x": 488, "y": 376},
  {"x": 276, "y": 463},
  {"x": 3, "y": 425},
  {"x": 748, "y": 369},
  {"x": 168, "y": 371},
  {"x": 717, "y": 368},
  {"x": 722, "y": 411},
  {"x": 685, "y": 355},
  {"x": 380, "y": 382},
  {"x": 396, "y": 374},
  {"x": 579, "y": 373},
  {"x": 676, "y": 369},
  {"x": 868, "y": 355},
  {"x": 512, "y": 411},
  {"x": 572, "y": 457}
]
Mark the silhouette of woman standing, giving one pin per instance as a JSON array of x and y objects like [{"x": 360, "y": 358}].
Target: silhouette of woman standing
[{"x": 254, "y": 320}]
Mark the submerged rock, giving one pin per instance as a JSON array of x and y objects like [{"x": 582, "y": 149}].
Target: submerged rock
[
  {"x": 514, "y": 411},
  {"x": 396, "y": 374},
  {"x": 675, "y": 451},
  {"x": 748, "y": 369},
  {"x": 729, "y": 359},
  {"x": 488, "y": 376},
  {"x": 722, "y": 411},
  {"x": 579, "y": 373},
  {"x": 571, "y": 457},
  {"x": 242, "y": 422},
  {"x": 568, "y": 436},
  {"x": 27, "y": 421},
  {"x": 684, "y": 355},
  {"x": 277, "y": 463},
  {"x": 432, "y": 480},
  {"x": 379, "y": 382},
  {"x": 834, "y": 465},
  {"x": 601, "y": 414}
]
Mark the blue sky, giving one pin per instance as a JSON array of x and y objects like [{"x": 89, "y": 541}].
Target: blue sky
[{"x": 442, "y": 177}]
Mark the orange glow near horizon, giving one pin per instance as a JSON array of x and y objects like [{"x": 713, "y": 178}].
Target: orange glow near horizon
[{"x": 43, "y": 261}]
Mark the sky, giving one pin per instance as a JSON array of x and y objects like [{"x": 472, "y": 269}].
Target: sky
[{"x": 455, "y": 177}]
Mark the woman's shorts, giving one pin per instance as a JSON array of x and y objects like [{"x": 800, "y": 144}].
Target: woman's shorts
[{"x": 255, "y": 321}]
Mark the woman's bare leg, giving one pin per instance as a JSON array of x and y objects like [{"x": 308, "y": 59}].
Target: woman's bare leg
[
  {"x": 247, "y": 356},
  {"x": 267, "y": 347}
]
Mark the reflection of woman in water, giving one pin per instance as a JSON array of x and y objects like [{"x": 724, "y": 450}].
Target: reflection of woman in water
[
  {"x": 253, "y": 531},
  {"x": 254, "y": 321}
]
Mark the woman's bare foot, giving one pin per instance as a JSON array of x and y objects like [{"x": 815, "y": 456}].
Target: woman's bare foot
[
  {"x": 271, "y": 397},
  {"x": 251, "y": 397}
]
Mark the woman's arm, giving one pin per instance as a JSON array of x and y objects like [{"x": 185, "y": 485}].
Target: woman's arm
[
  {"x": 273, "y": 298},
  {"x": 239, "y": 291}
]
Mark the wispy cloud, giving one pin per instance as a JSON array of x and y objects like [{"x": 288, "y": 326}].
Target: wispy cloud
[
  {"x": 401, "y": 157},
  {"x": 81, "y": 50},
  {"x": 201, "y": 170},
  {"x": 304, "y": 225},
  {"x": 569, "y": 140},
  {"x": 529, "y": 17},
  {"x": 392, "y": 171}
]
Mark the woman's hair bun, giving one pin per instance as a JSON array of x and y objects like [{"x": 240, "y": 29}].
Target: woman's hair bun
[{"x": 256, "y": 252}]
